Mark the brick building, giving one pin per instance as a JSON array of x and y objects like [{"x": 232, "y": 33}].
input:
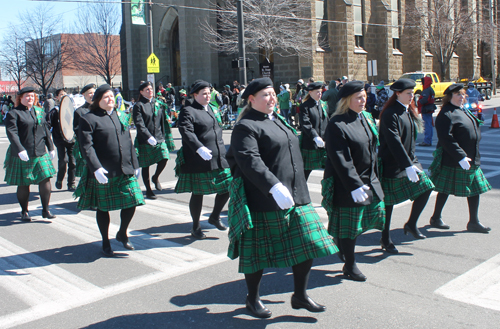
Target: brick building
[{"x": 351, "y": 33}]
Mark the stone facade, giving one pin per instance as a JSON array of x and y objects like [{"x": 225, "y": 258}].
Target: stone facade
[{"x": 184, "y": 57}]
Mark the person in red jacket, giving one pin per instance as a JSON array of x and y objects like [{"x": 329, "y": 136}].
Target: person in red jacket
[{"x": 426, "y": 107}]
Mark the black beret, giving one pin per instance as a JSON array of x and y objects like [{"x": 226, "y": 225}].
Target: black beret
[
  {"x": 453, "y": 88},
  {"x": 145, "y": 85},
  {"x": 350, "y": 88},
  {"x": 403, "y": 84},
  {"x": 199, "y": 85},
  {"x": 26, "y": 90},
  {"x": 101, "y": 91},
  {"x": 256, "y": 85},
  {"x": 314, "y": 86},
  {"x": 87, "y": 87}
]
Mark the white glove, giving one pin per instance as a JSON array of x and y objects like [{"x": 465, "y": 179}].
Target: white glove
[
  {"x": 52, "y": 154},
  {"x": 359, "y": 194},
  {"x": 152, "y": 141},
  {"x": 282, "y": 196},
  {"x": 23, "y": 155},
  {"x": 464, "y": 163},
  {"x": 412, "y": 173},
  {"x": 319, "y": 141},
  {"x": 205, "y": 153},
  {"x": 100, "y": 175},
  {"x": 137, "y": 173}
]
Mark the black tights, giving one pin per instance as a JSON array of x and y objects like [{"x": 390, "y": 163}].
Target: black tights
[
  {"x": 416, "y": 209},
  {"x": 23, "y": 195},
  {"x": 145, "y": 173},
  {"x": 196, "y": 203},
  {"x": 348, "y": 246},
  {"x": 102, "y": 218},
  {"x": 473, "y": 202},
  {"x": 300, "y": 279}
]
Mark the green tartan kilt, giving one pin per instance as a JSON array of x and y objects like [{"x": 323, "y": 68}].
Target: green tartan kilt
[
  {"x": 149, "y": 155},
  {"x": 120, "y": 192},
  {"x": 398, "y": 190},
  {"x": 81, "y": 164},
  {"x": 31, "y": 172},
  {"x": 461, "y": 183},
  {"x": 279, "y": 239},
  {"x": 349, "y": 222},
  {"x": 215, "y": 181},
  {"x": 313, "y": 159}
]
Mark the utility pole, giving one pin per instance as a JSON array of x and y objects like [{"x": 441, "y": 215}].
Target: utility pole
[
  {"x": 242, "y": 61},
  {"x": 493, "y": 52},
  {"x": 150, "y": 35}
]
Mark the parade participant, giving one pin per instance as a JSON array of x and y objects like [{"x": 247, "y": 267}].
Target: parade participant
[
  {"x": 88, "y": 94},
  {"x": 313, "y": 121},
  {"x": 201, "y": 162},
  {"x": 352, "y": 194},
  {"x": 110, "y": 181},
  {"x": 402, "y": 176},
  {"x": 279, "y": 231},
  {"x": 65, "y": 158},
  {"x": 150, "y": 142},
  {"x": 455, "y": 169},
  {"x": 27, "y": 161}
]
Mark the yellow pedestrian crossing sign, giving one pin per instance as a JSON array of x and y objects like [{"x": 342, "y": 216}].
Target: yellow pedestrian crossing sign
[{"x": 153, "y": 64}]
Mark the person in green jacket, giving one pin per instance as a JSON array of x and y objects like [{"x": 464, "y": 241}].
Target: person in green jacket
[
  {"x": 331, "y": 97},
  {"x": 284, "y": 102}
]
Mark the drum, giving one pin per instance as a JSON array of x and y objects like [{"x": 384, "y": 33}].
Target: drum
[{"x": 66, "y": 113}]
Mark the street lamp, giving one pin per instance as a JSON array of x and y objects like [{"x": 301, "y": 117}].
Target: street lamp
[{"x": 242, "y": 61}]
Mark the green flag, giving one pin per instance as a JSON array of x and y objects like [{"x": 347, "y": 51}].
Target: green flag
[{"x": 138, "y": 10}]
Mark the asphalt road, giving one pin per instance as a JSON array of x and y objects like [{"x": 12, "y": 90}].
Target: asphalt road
[{"x": 52, "y": 274}]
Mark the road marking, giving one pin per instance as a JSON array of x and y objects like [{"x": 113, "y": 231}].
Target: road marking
[{"x": 480, "y": 286}]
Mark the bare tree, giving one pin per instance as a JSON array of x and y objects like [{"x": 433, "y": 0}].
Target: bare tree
[
  {"x": 444, "y": 25},
  {"x": 273, "y": 27},
  {"x": 46, "y": 55},
  {"x": 96, "y": 44},
  {"x": 13, "y": 58}
]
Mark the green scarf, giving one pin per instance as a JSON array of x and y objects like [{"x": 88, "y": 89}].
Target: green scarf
[
  {"x": 282, "y": 119},
  {"x": 371, "y": 123},
  {"x": 124, "y": 119},
  {"x": 216, "y": 113},
  {"x": 39, "y": 114}
]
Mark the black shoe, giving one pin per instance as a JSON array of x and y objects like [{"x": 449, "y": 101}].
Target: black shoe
[
  {"x": 107, "y": 251},
  {"x": 477, "y": 227},
  {"x": 124, "y": 240},
  {"x": 354, "y": 275},
  {"x": 414, "y": 231},
  {"x": 47, "y": 214},
  {"x": 25, "y": 216},
  {"x": 198, "y": 234},
  {"x": 390, "y": 247},
  {"x": 72, "y": 188},
  {"x": 309, "y": 305},
  {"x": 217, "y": 223},
  {"x": 58, "y": 185},
  {"x": 438, "y": 223},
  {"x": 150, "y": 195},
  {"x": 156, "y": 181},
  {"x": 258, "y": 309}
]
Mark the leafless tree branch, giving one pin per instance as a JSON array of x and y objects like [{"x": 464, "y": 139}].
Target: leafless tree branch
[{"x": 13, "y": 57}]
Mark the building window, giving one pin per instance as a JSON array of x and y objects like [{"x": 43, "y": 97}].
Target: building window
[
  {"x": 395, "y": 24},
  {"x": 359, "y": 41},
  {"x": 321, "y": 25},
  {"x": 358, "y": 22},
  {"x": 396, "y": 44}
]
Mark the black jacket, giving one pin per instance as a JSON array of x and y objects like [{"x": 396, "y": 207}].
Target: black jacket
[
  {"x": 25, "y": 134},
  {"x": 351, "y": 148},
  {"x": 79, "y": 112},
  {"x": 397, "y": 141},
  {"x": 147, "y": 123},
  {"x": 200, "y": 128},
  {"x": 459, "y": 135},
  {"x": 264, "y": 153},
  {"x": 56, "y": 128},
  {"x": 105, "y": 143},
  {"x": 313, "y": 122}
]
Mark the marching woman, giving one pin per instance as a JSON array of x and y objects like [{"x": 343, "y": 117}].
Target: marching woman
[
  {"x": 150, "y": 142},
  {"x": 27, "y": 161},
  {"x": 87, "y": 92},
  {"x": 110, "y": 181},
  {"x": 201, "y": 162},
  {"x": 401, "y": 174},
  {"x": 272, "y": 222},
  {"x": 352, "y": 194},
  {"x": 455, "y": 169},
  {"x": 313, "y": 121}
]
